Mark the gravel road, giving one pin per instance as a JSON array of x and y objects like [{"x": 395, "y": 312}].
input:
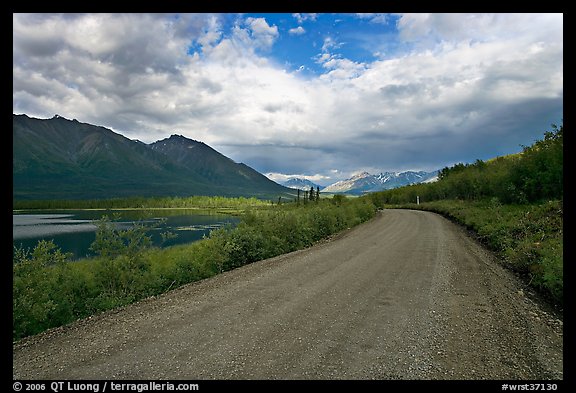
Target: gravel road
[{"x": 407, "y": 295}]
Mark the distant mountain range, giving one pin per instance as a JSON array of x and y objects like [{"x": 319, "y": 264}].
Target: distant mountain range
[
  {"x": 302, "y": 184},
  {"x": 364, "y": 182},
  {"x": 65, "y": 159}
]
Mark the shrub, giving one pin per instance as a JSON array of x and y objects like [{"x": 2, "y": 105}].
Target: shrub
[
  {"x": 35, "y": 303},
  {"x": 50, "y": 291}
]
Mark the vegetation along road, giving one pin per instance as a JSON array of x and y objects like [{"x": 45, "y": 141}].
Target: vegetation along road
[{"x": 407, "y": 295}]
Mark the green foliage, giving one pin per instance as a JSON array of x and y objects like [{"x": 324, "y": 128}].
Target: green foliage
[
  {"x": 539, "y": 174},
  {"x": 167, "y": 236},
  {"x": 38, "y": 285},
  {"x": 111, "y": 242},
  {"x": 338, "y": 199},
  {"x": 534, "y": 175},
  {"x": 312, "y": 194},
  {"x": 50, "y": 291},
  {"x": 268, "y": 233},
  {"x": 196, "y": 201}
]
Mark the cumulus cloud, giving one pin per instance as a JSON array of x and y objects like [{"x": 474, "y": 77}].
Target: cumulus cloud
[
  {"x": 304, "y": 17},
  {"x": 455, "y": 27},
  {"x": 248, "y": 36},
  {"x": 262, "y": 34},
  {"x": 470, "y": 86},
  {"x": 315, "y": 178},
  {"x": 330, "y": 44},
  {"x": 297, "y": 30},
  {"x": 374, "y": 17},
  {"x": 342, "y": 68}
]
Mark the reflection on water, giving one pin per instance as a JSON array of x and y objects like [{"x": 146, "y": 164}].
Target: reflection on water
[
  {"x": 42, "y": 225},
  {"x": 74, "y": 231}
]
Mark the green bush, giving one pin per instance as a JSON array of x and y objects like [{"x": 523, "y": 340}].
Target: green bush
[
  {"x": 534, "y": 175},
  {"x": 40, "y": 289},
  {"x": 50, "y": 291}
]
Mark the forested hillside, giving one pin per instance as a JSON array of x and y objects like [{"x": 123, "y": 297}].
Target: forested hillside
[{"x": 535, "y": 174}]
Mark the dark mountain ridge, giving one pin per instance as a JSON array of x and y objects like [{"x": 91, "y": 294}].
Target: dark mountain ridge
[{"x": 65, "y": 159}]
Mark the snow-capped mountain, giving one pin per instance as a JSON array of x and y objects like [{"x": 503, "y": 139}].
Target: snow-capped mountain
[
  {"x": 364, "y": 182},
  {"x": 357, "y": 184},
  {"x": 298, "y": 183}
]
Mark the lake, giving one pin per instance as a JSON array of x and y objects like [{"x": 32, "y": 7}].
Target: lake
[{"x": 75, "y": 230}]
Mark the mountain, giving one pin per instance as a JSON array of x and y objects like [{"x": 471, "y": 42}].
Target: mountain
[
  {"x": 302, "y": 184},
  {"x": 399, "y": 179},
  {"x": 211, "y": 166},
  {"x": 65, "y": 159},
  {"x": 357, "y": 184},
  {"x": 364, "y": 182}
]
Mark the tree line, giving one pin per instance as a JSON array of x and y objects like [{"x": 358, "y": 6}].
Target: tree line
[
  {"x": 194, "y": 201},
  {"x": 533, "y": 175},
  {"x": 308, "y": 196}
]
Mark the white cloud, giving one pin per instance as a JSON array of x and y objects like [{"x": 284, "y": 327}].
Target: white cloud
[
  {"x": 323, "y": 58},
  {"x": 329, "y": 44},
  {"x": 246, "y": 37},
  {"x": 212, "y": 32},
  {"x": 262, "y": 34},
  {"x": 304, "y": 17},
  {"x": 316, "y": 178},
  {"x": 454, "y": 27},
  {"x": 342, "y": 69},
  {"x": 374, "y": 17},
  {"x": 297, "y": 30},
  {"x": 474, "y": 88}
]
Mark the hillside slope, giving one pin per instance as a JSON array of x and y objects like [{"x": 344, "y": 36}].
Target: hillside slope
[{"x": 65, "y": 159}]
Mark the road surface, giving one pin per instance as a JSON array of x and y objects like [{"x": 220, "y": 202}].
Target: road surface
[{"x": 407, "y": 295}]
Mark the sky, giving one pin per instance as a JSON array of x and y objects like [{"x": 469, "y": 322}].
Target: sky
[{"x": 317, "y": 96}]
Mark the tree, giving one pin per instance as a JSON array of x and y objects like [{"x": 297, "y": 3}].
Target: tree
[
  {"x": 446, "y": 171},
  {"x": 539, "y": 174},
  {"x": 111, "y": 242}
]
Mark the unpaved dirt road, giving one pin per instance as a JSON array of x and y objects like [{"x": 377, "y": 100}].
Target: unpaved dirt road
[{"x": 407, "y": 295}]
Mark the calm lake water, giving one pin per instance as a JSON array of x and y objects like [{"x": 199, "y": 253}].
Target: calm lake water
[{"x": 75, "y": 230}]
